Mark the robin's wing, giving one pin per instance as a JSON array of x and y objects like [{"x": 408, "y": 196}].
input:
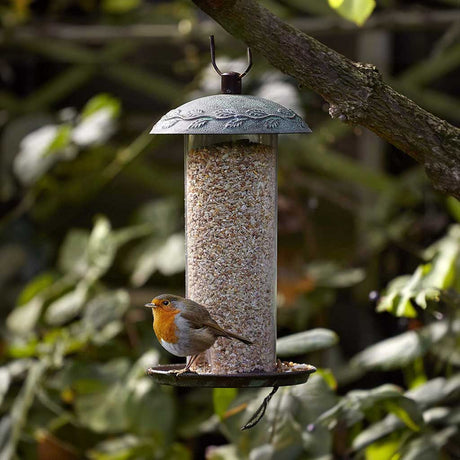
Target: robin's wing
[{"x": 199, "y": 317}]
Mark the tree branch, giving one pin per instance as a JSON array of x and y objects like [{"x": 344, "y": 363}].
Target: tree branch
[{"x": 355, "y": 91}]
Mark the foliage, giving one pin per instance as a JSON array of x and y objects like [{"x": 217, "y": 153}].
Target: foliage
[
  {"x": 357, "y": 11},
  {"x": 93, "y": 229},
  {"x": 429, "y": 282},
  {"x": 379, "y": 423}
]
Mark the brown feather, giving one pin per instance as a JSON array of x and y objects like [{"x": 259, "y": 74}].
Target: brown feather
[
  {"x": 196, "y": 314},
  {"x": 224, "y": 333},
  {"x": 200, "y": 317}
]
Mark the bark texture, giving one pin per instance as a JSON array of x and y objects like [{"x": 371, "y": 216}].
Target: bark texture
[{"x": 356, "y": 92}]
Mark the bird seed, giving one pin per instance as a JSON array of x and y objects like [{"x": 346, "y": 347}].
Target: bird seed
[{"x": 231, "y": 218}]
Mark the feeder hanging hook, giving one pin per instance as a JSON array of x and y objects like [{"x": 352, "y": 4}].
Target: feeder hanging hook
[{"x": 231, "y": 81}]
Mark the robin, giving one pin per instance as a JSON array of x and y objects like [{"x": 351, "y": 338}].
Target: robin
[{"x": 186, "y": 328}]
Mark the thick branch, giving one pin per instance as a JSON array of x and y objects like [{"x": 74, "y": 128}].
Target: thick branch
[{"x": 355, "y": 92}]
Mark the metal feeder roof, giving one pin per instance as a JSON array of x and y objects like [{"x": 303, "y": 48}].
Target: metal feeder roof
[{"x": 230, "y": 114}]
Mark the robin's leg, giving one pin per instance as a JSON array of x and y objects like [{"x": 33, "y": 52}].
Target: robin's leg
[{"x": 187, "y": 367}]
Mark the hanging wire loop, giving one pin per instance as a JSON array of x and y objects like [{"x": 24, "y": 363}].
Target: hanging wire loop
[
  {"x": 259, "y": 413},
  {"x": 213, "y": 58}
]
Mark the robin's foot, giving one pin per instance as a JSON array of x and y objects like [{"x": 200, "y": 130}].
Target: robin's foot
[{"x": 180, "y": 372}]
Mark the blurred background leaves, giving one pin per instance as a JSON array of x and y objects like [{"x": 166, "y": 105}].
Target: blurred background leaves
[{"x": 92, "y": 228}]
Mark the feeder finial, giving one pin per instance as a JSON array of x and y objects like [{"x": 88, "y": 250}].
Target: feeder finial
[{"x": 230, "y": 81}]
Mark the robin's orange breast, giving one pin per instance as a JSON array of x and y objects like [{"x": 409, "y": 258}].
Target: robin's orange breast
[{"x": 164, "y": 324}]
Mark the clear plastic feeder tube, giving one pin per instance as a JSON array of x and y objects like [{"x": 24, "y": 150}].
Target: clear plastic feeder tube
[{"x": 231, "y": 244}]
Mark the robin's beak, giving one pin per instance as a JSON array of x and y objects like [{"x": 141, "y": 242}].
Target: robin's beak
[{"x": 150, "y": 305}]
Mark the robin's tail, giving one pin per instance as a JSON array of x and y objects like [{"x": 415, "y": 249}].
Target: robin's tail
[
  {"x": 221, "y": 332},
  {"x": 232, "y": 335}
]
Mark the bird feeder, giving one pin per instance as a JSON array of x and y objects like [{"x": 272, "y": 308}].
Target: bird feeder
[{"x": 231, "y": 230}]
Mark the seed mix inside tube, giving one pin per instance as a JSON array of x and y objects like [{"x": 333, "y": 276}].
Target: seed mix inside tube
[{"x": 231, "y": 218}]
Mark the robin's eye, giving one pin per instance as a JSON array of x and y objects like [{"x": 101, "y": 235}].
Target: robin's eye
[{"x": 165, "y": 302}]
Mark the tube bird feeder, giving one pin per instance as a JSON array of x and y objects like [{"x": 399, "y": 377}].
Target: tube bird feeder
[{"x": 231, "y": 230}]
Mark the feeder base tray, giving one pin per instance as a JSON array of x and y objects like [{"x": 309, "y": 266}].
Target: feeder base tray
[{"x": 294, "y": 375}]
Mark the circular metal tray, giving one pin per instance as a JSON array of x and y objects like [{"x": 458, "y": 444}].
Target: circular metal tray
[{"x": 162, "y": 374}]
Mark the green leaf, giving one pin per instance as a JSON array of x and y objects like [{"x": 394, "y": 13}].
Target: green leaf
[
  {"x": 404, "y": 306},
  {"x": 403, "y": 349},
  {"x": 101, "y": 249},
  {"x": 225, "y": 452},
  {"x": 315, "y": 397},
  {"x": 145, "y": 401},
  {"x": 442, "y": 271},
  {"x": 23, "y": 319},
  {"x": 222, "y": 398},
  {"x": 428, "y": 281},
  {"x": 420, "y": 449},
  {"x": 330, "y": 274},
  {"x": 163, "y": 214},
  {"x": 433, "y": 392},
  {"x": 356, "y": 11},
  {"x": 120, "y": 448},
  {"x": 353, "y": 407},
  {"x": 306, "y": 342},
  {"x": 116, "y": 397},
  {"x": 264, "y": 452},
  {"x": 60, "y": 141},
  {"x": 168, "y": 258},
  {"x": 383, "y": 450},
  {"x": 160, "y": 218},
  {"x": 288, "y": 438},
  {"x": 35, "y": 287},
  {"x": 377, "y": 431},
  {"x": 67, "y": 306},
  {"x": 134, "y": 447},
  {"x": 442, "y": 416},
  {"x": 72, "y": 255},
  {"x": 104, "y": 412},
  {"x": 310, "y": 400},
  {"x": 104, "y": 309},
  {"x": 414, "y": 374},
  {"x": 23, "y": 349},
  {"x": 440, "y": 438},
  {"x": 453, "y": 206},
  {"x": 407, "y": 410},
  {"x": 56, "y": 343},
  {"x": 89, "y": 255},
  {"x": 148, "y": 359},
  {"x": 328, "y": 377},
  {"x": 102, "y": 102},
  {"x": 101, "y": 394},
  {"x": 391, "y": 298}
]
